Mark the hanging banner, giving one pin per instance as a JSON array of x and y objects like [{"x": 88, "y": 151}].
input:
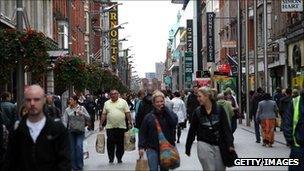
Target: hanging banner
[
  {"x": 210, "y": 36},
  {"x": 292, "y": 5},
  {"x": 189, "y": 36},
  {"x": 188, "y": 69},
  {"x": 113, "y": 34}
]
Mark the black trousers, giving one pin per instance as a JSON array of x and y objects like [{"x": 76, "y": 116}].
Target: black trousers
[{"x": 115, "y": 141}]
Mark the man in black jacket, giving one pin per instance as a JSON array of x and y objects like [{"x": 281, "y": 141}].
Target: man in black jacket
[
  {"x": 50, "y": 109},
  {"x": 192, "y": 103},
  {"x": 39, "y": 143},
  {"x": 284, "y": 103},
  {"x": 144, "y": 108}
]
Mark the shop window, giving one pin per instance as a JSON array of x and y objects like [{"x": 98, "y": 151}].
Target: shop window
[{"x": 296, "y": 57}]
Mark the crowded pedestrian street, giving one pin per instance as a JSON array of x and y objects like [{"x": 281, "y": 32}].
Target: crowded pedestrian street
[
  {"x": 158, "y": 85},
  {"x": 245, "y": 145}
]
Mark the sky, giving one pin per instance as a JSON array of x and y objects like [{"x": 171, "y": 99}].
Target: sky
[{"x": 148, "y": 26}]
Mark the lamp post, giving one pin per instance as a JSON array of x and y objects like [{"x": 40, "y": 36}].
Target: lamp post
[{"x": 20, "y": 69}]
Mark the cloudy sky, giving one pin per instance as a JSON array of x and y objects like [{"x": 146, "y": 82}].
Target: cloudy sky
[{"x": 148, "y": 26}]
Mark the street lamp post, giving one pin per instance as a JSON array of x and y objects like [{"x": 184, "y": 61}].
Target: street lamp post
[
  {"x": 20, "y": 69},
  {"x": 265, "y": 48}
]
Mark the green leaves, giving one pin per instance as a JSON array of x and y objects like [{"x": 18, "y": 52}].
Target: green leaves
[
  {"x": 72, "y": 71},
  {"x": 30, "y": 48}
]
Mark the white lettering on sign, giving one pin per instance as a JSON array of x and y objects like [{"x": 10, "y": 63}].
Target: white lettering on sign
[{"x": 292, "y": 5}]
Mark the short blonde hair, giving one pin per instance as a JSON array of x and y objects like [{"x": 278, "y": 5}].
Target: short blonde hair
[
  {"x": 207, "y": 91},
  {"x": 157, "y": 93}
]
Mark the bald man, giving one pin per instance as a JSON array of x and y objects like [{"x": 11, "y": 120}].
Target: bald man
[{"x": 39, "y": 142}]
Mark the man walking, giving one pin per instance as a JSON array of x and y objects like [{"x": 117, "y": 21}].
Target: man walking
[
  {"x": 257, "y": 97},
  {"x": 294, "y": 131},
  {"x": 192, "y": 102},
  {"x": 115, "y": 111},
  {"x": 9, "y": 112},
  {"x": 39, "y": 143},
  {"x": 50, "y": 108}
]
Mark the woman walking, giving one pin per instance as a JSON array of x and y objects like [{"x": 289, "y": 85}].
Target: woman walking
[
  {"x": 266, "y": 115},
  {"x": 76, "y": 129},
  {"x": 148, "y": 135},
  {"x": 209, "y": 124},
  {"x": 180, "y": 109}
]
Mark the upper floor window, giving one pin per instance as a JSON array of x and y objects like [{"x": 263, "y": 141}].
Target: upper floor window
[{"x": 63, "y": 35}]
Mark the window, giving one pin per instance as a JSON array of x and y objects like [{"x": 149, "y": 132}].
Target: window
[{"x": 63, "y": 35}]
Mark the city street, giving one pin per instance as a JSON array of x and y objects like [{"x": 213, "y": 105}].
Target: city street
[{"x": 245, "y": 145}]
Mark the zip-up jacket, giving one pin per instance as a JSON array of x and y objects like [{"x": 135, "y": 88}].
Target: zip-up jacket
[
  {"x": 148, "y": 136},
  {"x": 209, "y": 128},
  {"x": 50, "y": 152}
]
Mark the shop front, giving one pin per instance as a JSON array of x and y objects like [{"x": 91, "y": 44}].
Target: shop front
[
  {"x": 296, "y": 64},
  {"x": 295, "y": 52}
]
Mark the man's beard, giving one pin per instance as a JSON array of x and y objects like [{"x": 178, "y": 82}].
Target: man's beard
[{"x": 33, "y": 112}]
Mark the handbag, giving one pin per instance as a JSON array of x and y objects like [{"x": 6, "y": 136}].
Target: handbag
[
  {"x": 100, "y": 142},
  {"x": 169, "y": 156},
  {"x": 76, "y": 123},
  {"x": 228, "y": 157}
]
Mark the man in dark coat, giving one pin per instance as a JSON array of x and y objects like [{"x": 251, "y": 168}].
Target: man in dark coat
[
  {"x": 90, "y": 106},
  {"x": 39, "y": 142},
  {"x": 144, "y": 108},
  {"x": 283, "y": 107},
  {"x": 50, "y": 109},
  {"x": 192, "y": 103},
  {"x": 9, "y": 111},
  {"x": 257, "y": 97}
]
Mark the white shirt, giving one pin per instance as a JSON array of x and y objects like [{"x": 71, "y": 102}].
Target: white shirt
[
  {"x": 35, "y": 128},
  {"x": 180, "y": 109}
]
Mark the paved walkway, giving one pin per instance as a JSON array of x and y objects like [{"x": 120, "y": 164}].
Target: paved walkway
[{"x": 245, "y": 145}]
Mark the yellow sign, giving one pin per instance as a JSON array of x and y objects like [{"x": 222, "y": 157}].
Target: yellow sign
[
  {"x": 298, "y": 82},
  {"x": 113, "y": 19}
]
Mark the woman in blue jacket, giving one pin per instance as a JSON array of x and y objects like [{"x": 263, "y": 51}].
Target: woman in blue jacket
[{"x": 148, "y": 136}]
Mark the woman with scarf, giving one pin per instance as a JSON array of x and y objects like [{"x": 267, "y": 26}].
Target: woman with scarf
[{"x": 148, "y": 135}]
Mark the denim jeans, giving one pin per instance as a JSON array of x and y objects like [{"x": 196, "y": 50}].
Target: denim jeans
[
  {"x": 257, "y": 129},
  {"x": 77, "y": 150},
  {"x": 153, "y": 160},
  {"x": 297, "y": 153}
]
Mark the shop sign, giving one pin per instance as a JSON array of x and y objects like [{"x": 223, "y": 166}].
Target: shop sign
[
  {"x": 113, "y": 34},
  {"x": 292, "y": 5},
  {"x": 188, "y": 68},
  {"x": 189, "y": 36},
  {"x": 210, "y": 37}
]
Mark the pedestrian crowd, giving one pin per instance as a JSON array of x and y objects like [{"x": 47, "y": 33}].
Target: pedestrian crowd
[{"x": 43, "y": 135}]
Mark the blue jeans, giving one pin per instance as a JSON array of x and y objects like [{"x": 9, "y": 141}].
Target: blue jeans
[
  {"x": 153, "y": 160},
  {"x": 297, "y": 153},
  {"x": 77, "y": 150},
  {"x": 257, "y": 129}
]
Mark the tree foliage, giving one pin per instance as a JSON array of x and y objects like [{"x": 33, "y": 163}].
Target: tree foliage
[{"x": 30, "y": 48}]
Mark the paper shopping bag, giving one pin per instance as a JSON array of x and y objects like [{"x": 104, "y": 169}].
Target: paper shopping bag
[
  {"x": 142, "y": 164},
  {"x": 100, "y": 142}
]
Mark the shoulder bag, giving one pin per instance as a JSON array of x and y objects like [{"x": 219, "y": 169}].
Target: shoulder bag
[{"x": 169, "y": 156}]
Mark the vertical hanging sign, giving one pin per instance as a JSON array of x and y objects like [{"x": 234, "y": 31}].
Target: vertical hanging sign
[
  {"x": 113, "y": 34},
  {"x": 210, "y": 36},
  {"x": 189, "y": 55}
]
